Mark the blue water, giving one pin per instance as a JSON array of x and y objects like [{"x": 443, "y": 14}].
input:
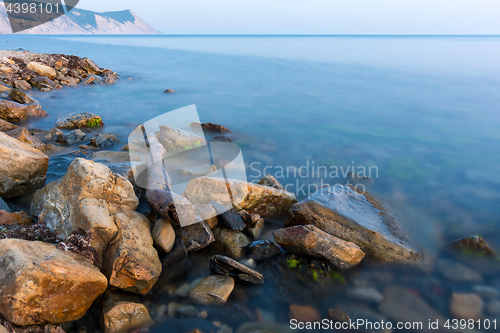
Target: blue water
[{"x": 425, "y": 111}]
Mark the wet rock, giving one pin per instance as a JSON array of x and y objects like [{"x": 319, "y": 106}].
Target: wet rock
[
  {"x": 175, "y": 140},
  {"x": 92, "y": 79},
  {"x": 169, "y": 91},
  {"x": 229, "y": 217},
  {"x": 42, "y": 70},
  {"x": 457, "y": 272},
  {"x": 6, "y": 126},
  {"x": 23, "y": 135},
  {"x": 304, "y": 313},
  {"x": 255, "y": 229},
  {"x": 249, "y": 262},
  {"x": 197, "y": 236},
  {"x": 485, "y": 291},
  {"x": 227, "y": 266},
  {"x": 211, "y": 127},
  {"x": 125, "y": 317},
  {"x": 338, "y": 316},
  {"x": 75, "y": 135},
  {"x": 400, "y": 304},
  {"x": 232, "y": 243},
  {"x": 53, "y": 135},
  {"x": 164, "y": 235},
  {"x": 358, "y": 218},
  {"x": 22, "y": 168},
  {"x": 91, "y": 197},
  {"x": 493, "y": 307},
  {"x": 474, "y": 245},
  {"x": 185, "y": 289},
  {"x": 21, "y": 97},
  {"x": 79, "y": 120},
  {"x": 41, "y": 284},
  {"x": 271, "y": 181},
  {"x": 466, "y": 306},
  {"x": 312, "y": 241},
  {"x": 178, "y": 252},
  {"x": 197, "y": 171},
  {"x": 13, "y": 111},
  {"x": 4, "y": 87},
  {"x": 22, "y": 84},
  {"x": 261, "y": 250},
  {"x": 21, "y": 218},
  {"x": 103, "y": 140},
  {"x": 4, "y": 206},
  {"x": 265, "y": 201},
  {"x": 91, "y": 66},
  {"x": 213, "y": 290},
  {"x": 222, "y": 138},
  {"x": 188, "y": 311},
  {"x": 366, "y": 294}
]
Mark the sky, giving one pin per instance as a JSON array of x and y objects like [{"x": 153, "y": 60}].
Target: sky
[{"x": 312, "y": 16}]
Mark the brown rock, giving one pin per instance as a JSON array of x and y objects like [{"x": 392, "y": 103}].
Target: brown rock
[
  {"x": 358, "y": 218},
  {"x": 164, "y": 235},
  {"x": 312, "y": 241},
  {"x": 304, "y": 313},
  {"x": 231, "y": 243},
  {"x": 474, "y": 245},
  {"x": 6, "y": 126},
  {"x": 5, "y": 87},
  {"x": 42, "y": 70},
  {"x": 23, "y": 135},
  {"x": 466, "y": 306},
  {"x": 21, "y": 218},
  {"x": 22, "y": 84},
  {"x": 22, "y": 168},
  {"x": 123, "y": 317},
  {"x": 91, "y": 67},
  {"x": 213, "y": 290},
  {"x": 21, "y": 97},
  {"x": 266, "y": 201},
  {"x": 197, "y": 236},
  {"x": 13, "y": 111},
  {"x": 40, "y": 284}
]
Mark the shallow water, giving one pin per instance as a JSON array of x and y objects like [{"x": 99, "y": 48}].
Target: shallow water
[{"x": 422, "y": 112}]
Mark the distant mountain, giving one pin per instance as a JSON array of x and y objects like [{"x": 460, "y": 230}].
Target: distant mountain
[{"x": 80, "y": 21}]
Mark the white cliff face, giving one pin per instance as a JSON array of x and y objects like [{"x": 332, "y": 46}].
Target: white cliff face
[{"x": 79, "y": 21}]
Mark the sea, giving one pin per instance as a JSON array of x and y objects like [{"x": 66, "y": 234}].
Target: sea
[{"x": 419, "y": 115}]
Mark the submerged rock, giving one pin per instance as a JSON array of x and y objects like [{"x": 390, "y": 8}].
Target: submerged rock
[
  {"x": 261, "y": 250},
  {"x": 197, "y": 236},
  {"x": 227, "y": 266},
  {"x": 40, "y": 284},
  {"x": 266, "y": 201},
  {"x": 312, "y": 241},
  {"x": 79, "y": 120},
  {"x": 22, "y": 169},
  {"x": 358, "y": 218},
  {"x": 125, "y": 317},
  {"x": 175, "y": 140},
  {"x": 304, "y": 313},
  {"x": 474, "y": 245},
  {"x": 455, "y": 271},
  {"x": 213, "y": 290},
  {"x": 466, "y": 306}
]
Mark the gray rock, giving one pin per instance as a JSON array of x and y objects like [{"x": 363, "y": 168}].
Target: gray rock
[
  {"x": 366, "y": 294},
  {"x": 229, "y": 218},
  {"x": 197, "y": 236},
  {"x": 4, "y": 206},
  {"x": 187, "y": 311},
  {"x": 227, "y": 266},
  {"x": 457, "y": 272},
  {"x": 75, "y": 135},
  {"x": 358, "y": 218},
  {"x": 79, "y": 120},
  {"x": 53, "y": 135},
  {"x": 103, "y": 140},
  {"x": 485, "y": 291},
  {"x": 261, "y": 250},
  {"x": 400, "y": 304},
  {"x": 314, "y": 242},
  {"x": 175, "y": 140}
]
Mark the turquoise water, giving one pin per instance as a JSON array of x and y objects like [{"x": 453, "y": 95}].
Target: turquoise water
[{"x": 422, "y": 111}]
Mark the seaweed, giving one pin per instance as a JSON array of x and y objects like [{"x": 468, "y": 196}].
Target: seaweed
[{"x": 80, "y": 241}]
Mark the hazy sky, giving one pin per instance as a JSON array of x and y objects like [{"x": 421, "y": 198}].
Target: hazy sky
[{"x": 313, "y": 16}]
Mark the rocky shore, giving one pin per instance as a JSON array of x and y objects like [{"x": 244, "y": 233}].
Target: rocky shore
[{"x": 86, "y": 258}]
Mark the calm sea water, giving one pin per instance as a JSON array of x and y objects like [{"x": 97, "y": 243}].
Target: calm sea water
[{"x": 423, "y": 112}]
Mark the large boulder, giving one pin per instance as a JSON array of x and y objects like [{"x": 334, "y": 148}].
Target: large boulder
[
  {"x": 6, "y": 126},
  {"x": 175, "y": 140},
  {"x": 40, "y": 284},
  {"x": 312, "y": 241},
  {"x": 79, "y": 120},
  {"x": 358, "y": 218},
  {"x": 91, "y": 197},
  {"x": 42, "y": 70},
  {"x": 23, "y": 135},
  {"x": 14, "y": 111},
  {"x": 22, "y": 168},
  {"x": 266, "y": 201}
]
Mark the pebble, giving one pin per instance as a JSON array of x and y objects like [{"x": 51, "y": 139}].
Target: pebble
[
  {"x": 485, "y": 291},
  {"x": 457, "y": 272},
  {"x": 304, "y": 313},
  {"x": 366, "y": 294},
  {"x": 186, "y": 289},
  {"x": 188, "y": 311},
  {"x": 466, "y": 306}
]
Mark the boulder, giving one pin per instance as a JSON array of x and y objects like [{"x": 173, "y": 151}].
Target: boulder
[
  {"x": 211, "y": 127},
  {"x": 314, "y": 242},
  {"x": 42, "y": 70},
  {"x": 21, "y": 97},
  {"x": 22, "y": 168},
  {"x": 164, "y": 235},
  {"x": 22, "y": 84},
  {"x": 13, "y": 111},
  {"x": 23, "y": 135},
  {"x": 122, "y": 317},
  {"x": 91, "y": 197},
  {"x": 6, "y": 126},
  {"x": 227, "y": 266},
  {"x": 40, "y": 284},
  {"x": 79, "y": 120},
  {"x": 473, "y": 245},
  {"x": 4, "y": 87},
  {"x": 42, "y": 80},
  {"x": 213, "y": 290},
  {"x": 53, "y": 135},
  {"x": 208, "y": 214},
  {"x": 90, "y": 66},
  {"x": 266, "y": 201},
  {"x": 358, "y": 218},
  {"x": 178, "y": 252}
]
